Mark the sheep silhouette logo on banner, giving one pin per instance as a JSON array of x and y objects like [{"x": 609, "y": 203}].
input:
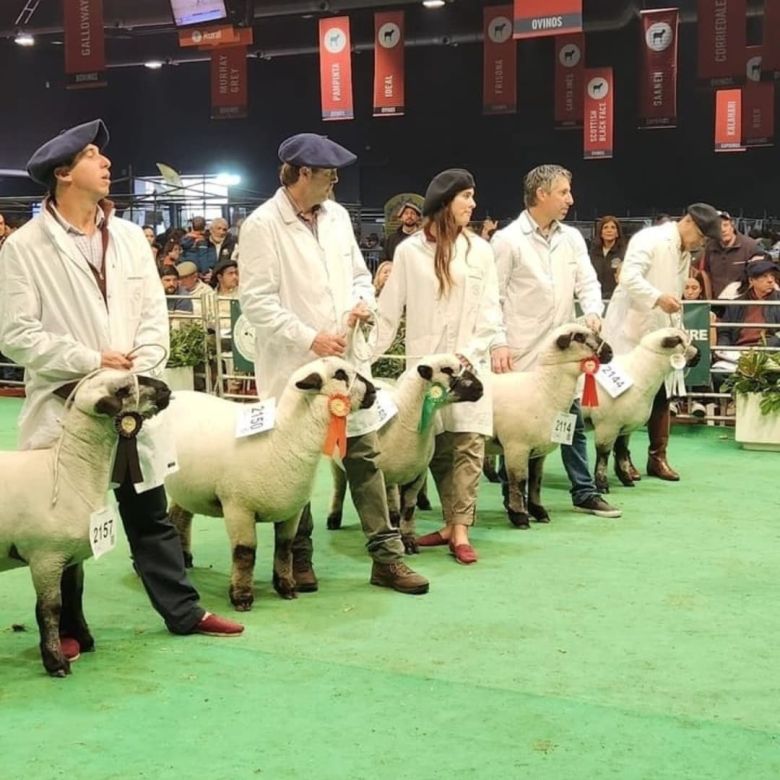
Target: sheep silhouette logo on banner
[
  {"x": 659, "y": 36},
  {"x": 500, "y": 29},
  {"x": 243, "y": 338},
  {"x": 389, "y": 35},
  {"x": 754, "y": 68},
  {"x": 570, "y": 56},
  {"x": 598, "y": 88},
  {"x": 335, "y": 40}
]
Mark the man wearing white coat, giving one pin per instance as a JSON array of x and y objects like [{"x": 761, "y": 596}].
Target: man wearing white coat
[
  {"x": 303, "y": 285},
  {"x": 649, "y": 296},
  {"x": 542, "y": 265},
  {"x": 80, "y": 292}
]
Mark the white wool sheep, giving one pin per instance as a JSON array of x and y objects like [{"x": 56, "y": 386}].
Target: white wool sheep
[
  {"x": 268, "y": 477},
  {"x": 52, "y": 538},
  {"x": 614, "y": 419},
  {"x": 525, "y": 407},
  {"x": 404, "y": 450}
]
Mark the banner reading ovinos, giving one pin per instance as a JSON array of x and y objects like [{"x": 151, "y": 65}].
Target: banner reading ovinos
[
  {"x": 537, "y": 18},
  {"x": 658, "y": 74},
  {"x": 336, "y": 69}
]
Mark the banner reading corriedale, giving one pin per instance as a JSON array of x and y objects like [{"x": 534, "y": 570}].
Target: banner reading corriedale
[
  {"x": 696, "y": 320},
  {"x": 537, "y": 18}
]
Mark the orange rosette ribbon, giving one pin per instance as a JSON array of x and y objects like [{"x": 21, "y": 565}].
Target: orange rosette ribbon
[{"x": 338, "y": 406}]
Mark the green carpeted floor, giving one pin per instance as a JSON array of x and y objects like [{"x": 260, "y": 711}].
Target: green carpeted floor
[{"x": 644, "y": 647}]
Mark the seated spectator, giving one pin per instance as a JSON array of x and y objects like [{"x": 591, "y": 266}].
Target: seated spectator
[
  {"x": 170, "y": 255},
  {"x": 169, "y": 277},
  {"x": 606, "y": 252},
  {"x": 381, "y": 275},
  {"x": 151, "y": 238},
  {"x": 221, "y": 244},
  {"x": 724, "y": 260},
  {"x": 488, "y": 228},
  {"x": 190, "y": 284},
  {"x": 194, "y": 242}
]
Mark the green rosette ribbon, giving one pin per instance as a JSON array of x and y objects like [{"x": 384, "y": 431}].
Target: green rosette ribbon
[{"x": 437, "y": 396}]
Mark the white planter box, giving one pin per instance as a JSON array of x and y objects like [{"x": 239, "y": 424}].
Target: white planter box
[
  {"x": 756, "y": 431},
  {"x": 179, "y": 378}
]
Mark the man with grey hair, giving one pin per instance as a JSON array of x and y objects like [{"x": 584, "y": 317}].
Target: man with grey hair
[{"x": 542, "y": 266}]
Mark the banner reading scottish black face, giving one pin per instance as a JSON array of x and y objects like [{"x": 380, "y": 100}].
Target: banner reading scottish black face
[{"x": 598, "y": 113}]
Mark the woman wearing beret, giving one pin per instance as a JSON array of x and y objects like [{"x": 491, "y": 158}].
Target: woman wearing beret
[{"x": 444, "y": 276}]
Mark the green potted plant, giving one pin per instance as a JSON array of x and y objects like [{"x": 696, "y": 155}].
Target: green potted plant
[
  {"x": 188, "y": 349},
  {"x": 755, "y": 386}
]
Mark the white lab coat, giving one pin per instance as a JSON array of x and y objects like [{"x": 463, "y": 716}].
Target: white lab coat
[
  {"x": 294, "y": 285},
  {"x": 655, "y": 263},
  {"x": 537, "y": 283},
  {"x": 433, "y": 325},
  {"x": 55, "y": 323}
]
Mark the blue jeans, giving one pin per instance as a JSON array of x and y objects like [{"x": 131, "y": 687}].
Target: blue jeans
[{"x": 575, "y": 461}]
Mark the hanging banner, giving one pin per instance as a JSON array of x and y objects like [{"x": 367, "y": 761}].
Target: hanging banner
[
  {"x": 758, "y": 103},
  {"x": 598, "y": 113},
  {"x": 336, "y": 69},
  {"x": 728, "y": 120},
  {"x": 85, "y": 53},
  {"x": 569, "y": 80},
  {"x": 499, "y": 81},
  {"x": 218, "y": 35},
  {"x": 771, "y": 51},
  {"x": 658, "y": 72},
  {"x": 539, "y": 18},
  {"x": 722, "y": 40},
  {"x": 228, "y": 82},
  {"x": 389, "y": 63}
]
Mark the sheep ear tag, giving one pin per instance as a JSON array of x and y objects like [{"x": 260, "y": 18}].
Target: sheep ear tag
[
  {"x": 437, "y": 396},
  {"x": 589, "y": 367},
  {"x": 338, "y": 406},
  {"x": 677, "y": 362},
  {"x": 126, "y": 462}
]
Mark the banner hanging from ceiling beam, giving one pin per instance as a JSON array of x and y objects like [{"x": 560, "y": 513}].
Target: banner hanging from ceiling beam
[
  {"x": 758, "y": 103},
  {"x": 228, "y": 82},
  {"x": 216, "y": 35},
  {"x": 389, "y": 63},
  {"x": 771, "y": 51},
  {"x": 598, "y": 113},
  {"x": 728, "y": 120},
  {"x": 658, "y": 72},
  {"x": 569, "y": 80},
  {"x": 539, "y": 18},
  {"x": 336, "y": 69},
  {"x": 85, "y": 50},
  {"x": 722, "y": 40},
  {"x": 499, "y": 62}
]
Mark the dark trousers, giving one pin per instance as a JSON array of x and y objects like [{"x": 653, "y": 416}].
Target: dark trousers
[{"x": 158, "y": 558}]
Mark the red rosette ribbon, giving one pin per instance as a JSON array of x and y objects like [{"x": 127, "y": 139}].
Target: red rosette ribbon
[{"x": 589, "y": 367}]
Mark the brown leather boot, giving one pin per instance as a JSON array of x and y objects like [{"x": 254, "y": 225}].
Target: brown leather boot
[
  {"x": 658, "y": 432},
  {"x": 398, "y": 576}
]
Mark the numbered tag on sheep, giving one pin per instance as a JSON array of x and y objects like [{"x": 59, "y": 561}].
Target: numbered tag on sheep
[
  {"x": 563, "y": 428},
  {"x": 613, "y": 379},
  {"x": 102, "y": 531},
  {"x": 255, "y": 418},
  {"x": 365, "y": 421}
]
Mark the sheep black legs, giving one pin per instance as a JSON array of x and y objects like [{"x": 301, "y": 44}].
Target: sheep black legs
[
  {"x": 48, "y": 608},
  {"x": 535, "y": 508},
  {"x": 72, "y": 621},
  {"x": 623, "y": 469},
  {"x": 337, "y": 500},
  {"x": 408, "y": 497},
  {"x": 240, "y": 524},
  {"x": 182, "y": 522}
]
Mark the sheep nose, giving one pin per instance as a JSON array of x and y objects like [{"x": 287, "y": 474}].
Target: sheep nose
[
  {"x": 370, "y": 395},
  {"x": 694, "y": 359},
  {"x": 605, "y": 352}
]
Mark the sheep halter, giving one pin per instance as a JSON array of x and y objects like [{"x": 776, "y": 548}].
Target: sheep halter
[
  {"x": 338, "y": 406},
  {"x": 436, "y": 396},
  {"x": 589, "y": 367}
]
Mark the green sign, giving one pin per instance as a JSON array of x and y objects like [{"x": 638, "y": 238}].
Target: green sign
[
  {"x": 243, "y": 337},
  {"x": 696, "y": 320}
]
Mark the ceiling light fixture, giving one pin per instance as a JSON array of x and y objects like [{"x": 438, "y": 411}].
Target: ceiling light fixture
[
  {"x": 228, "y": 179},
  {"x": 153, "y": 64},
  {"x": 24, "y": 39},
  {"x": 433, "y": 3}
]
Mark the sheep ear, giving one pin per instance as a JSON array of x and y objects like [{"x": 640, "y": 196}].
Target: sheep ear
[
  {"x": 563, "y": 341},
  {"x": 64, "y": 391},
  {"x": 108, "y": 405},
  {"x": 426, "y": 372},
  {"x": 670, "y": 342},
  {"x": 311, "y": 382}
]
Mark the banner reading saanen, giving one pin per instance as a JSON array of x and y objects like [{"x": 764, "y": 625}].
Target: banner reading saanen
[
  {"x": 658, "y": 75},
  {"x": 538, "y": 18}
]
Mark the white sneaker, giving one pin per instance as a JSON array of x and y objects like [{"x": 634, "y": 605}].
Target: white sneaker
[
  {"x": 673, "y": 410},
  {"x": 698, "y": 410}
]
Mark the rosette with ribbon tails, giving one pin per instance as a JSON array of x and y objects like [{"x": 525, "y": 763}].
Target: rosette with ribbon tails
[
  {"x": 338, "y": 406},
  {"x": 126, "y": 462},
  {"x": 677, "y": 386},
  {"x": 589, "y": 367},
  {"x": 435, "y": 397}
]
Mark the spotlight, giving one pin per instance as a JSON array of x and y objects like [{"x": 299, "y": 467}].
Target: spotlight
[
  {"x": 228, "y": 179},
  {"x": 24, "y": 39},
  {"x": 153, "y": 64},
  {"x": 433, "y": 3}
]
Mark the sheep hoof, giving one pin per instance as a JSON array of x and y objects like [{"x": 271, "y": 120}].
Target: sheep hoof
[
  {"x": 518, "y": 519},
  {"x": 423, "y": 504},
  {"x": 625, "y": 479},
  {"x": 188, "y": 560},
  {"x": 490, "y": 473},
  {"x": 241, "y": 600},
  {"x": 334, "y": 521},
  {"x": 539, "y": 513},
  {"x": 284, "y": 586},
  {"x": 602, "y": 485},
  {"x": 57, "y": 667},
  {"x": 410, "y": 544}
]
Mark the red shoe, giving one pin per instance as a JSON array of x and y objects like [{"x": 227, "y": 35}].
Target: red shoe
[
  {"x": 464, "y": 553},
  {"x": 214, "y": 625},
  {"x": 431, "y": 540},
  {"x": 71, "y": 649}
]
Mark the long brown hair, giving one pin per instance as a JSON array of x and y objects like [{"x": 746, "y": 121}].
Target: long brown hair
[
  {"x": 620, "y": 240},
  {"x": 445, "y": 233}
]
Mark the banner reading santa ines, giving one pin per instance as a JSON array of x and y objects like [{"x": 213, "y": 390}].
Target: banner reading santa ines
[
  {"x": 85, "y": 56},
  {"x": 728, "y": 120},
  {"x": 228, "y": 82},
  {"x": 569, "y": 80},
  {"x": 598, "y": 113},
  {"x": 758, "y": 103},
  {"x": 658, "y": 71},
  {"x": 389, "y": 63},
  {"x": 499, "y": 80},
  {"x": 336, "y": 69},
  {"x": 538, "y": 18},
  {"x": 721, "y": 39}
]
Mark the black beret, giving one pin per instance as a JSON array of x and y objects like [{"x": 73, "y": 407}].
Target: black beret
[
  {"x": 314, "y": 151},
  {"x": 761, "y": 264},
  {"x": 61, "y": 150},
  {"x": 223, "y": 264},
  {"x": 707, "y": 219},
  {"x": 444, "y": 187}
]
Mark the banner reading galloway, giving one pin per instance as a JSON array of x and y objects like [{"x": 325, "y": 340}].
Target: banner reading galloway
[
  {"x": 569, "y": 80},
  {"x": 389, "y": 63},
  {"x": 658, "y": 73},
  {"x": 499, "y": 82},
  {"x": 85, "y": 56},
  {"x": 537, "y": 18},
  {"x": 598, "y": 113},
  {"x": 336, "y": 69},
  {"x": 722, "y": 40}
]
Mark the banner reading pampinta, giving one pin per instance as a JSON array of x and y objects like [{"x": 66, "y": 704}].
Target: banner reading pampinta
[
  {"x": 228, "y": 82},
  {"x": 336, "y": 69},
  {"x": 598, "y": 113},
  {"x": 389, "y": 63},
  {"x": 499, "y": 79},
  {"x": 722, "y": 39},
  {"x": 85, "y": 55},
  {"x": 758, "y": 103},
  {"x": 537, "y": 18},
  {"x": 658, "y": 74},
  {"x": 728, "y": 120},
  {"x": 569, "y": 80}
]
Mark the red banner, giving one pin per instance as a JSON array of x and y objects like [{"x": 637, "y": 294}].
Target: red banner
[
  {"x": 537, "y": 18},
  {"x": 218, "y": 35},
  {"x": 772, "y": 38},
  {"x": 722, "y": 40},
  {"x": 336, "y": 69},
  {"x": 228, "y": 82},
  {"x": 758, "y": 103},
  {"x": 728, "y": 120},
  {"x": 598, "y": 113},
  {"x": 569, "y": 80},
  {"x": 499, "y": 69},
  {"x": 658, "y": 74},
  {"x": 389, "y": 63},
  {"x": 85, "y": 51}
]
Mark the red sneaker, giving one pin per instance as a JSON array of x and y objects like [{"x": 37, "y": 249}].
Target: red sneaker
[
  {"x": 71, "y": 649},
  {"x": 434, "y": 539},
  {"x": 214, "y": 625},
  {"x": 464, "y": 553}
]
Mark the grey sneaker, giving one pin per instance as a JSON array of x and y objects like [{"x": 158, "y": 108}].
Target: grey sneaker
[
  {"x": 398, "y": 576},
  {"x": 596, "y": 505}
]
